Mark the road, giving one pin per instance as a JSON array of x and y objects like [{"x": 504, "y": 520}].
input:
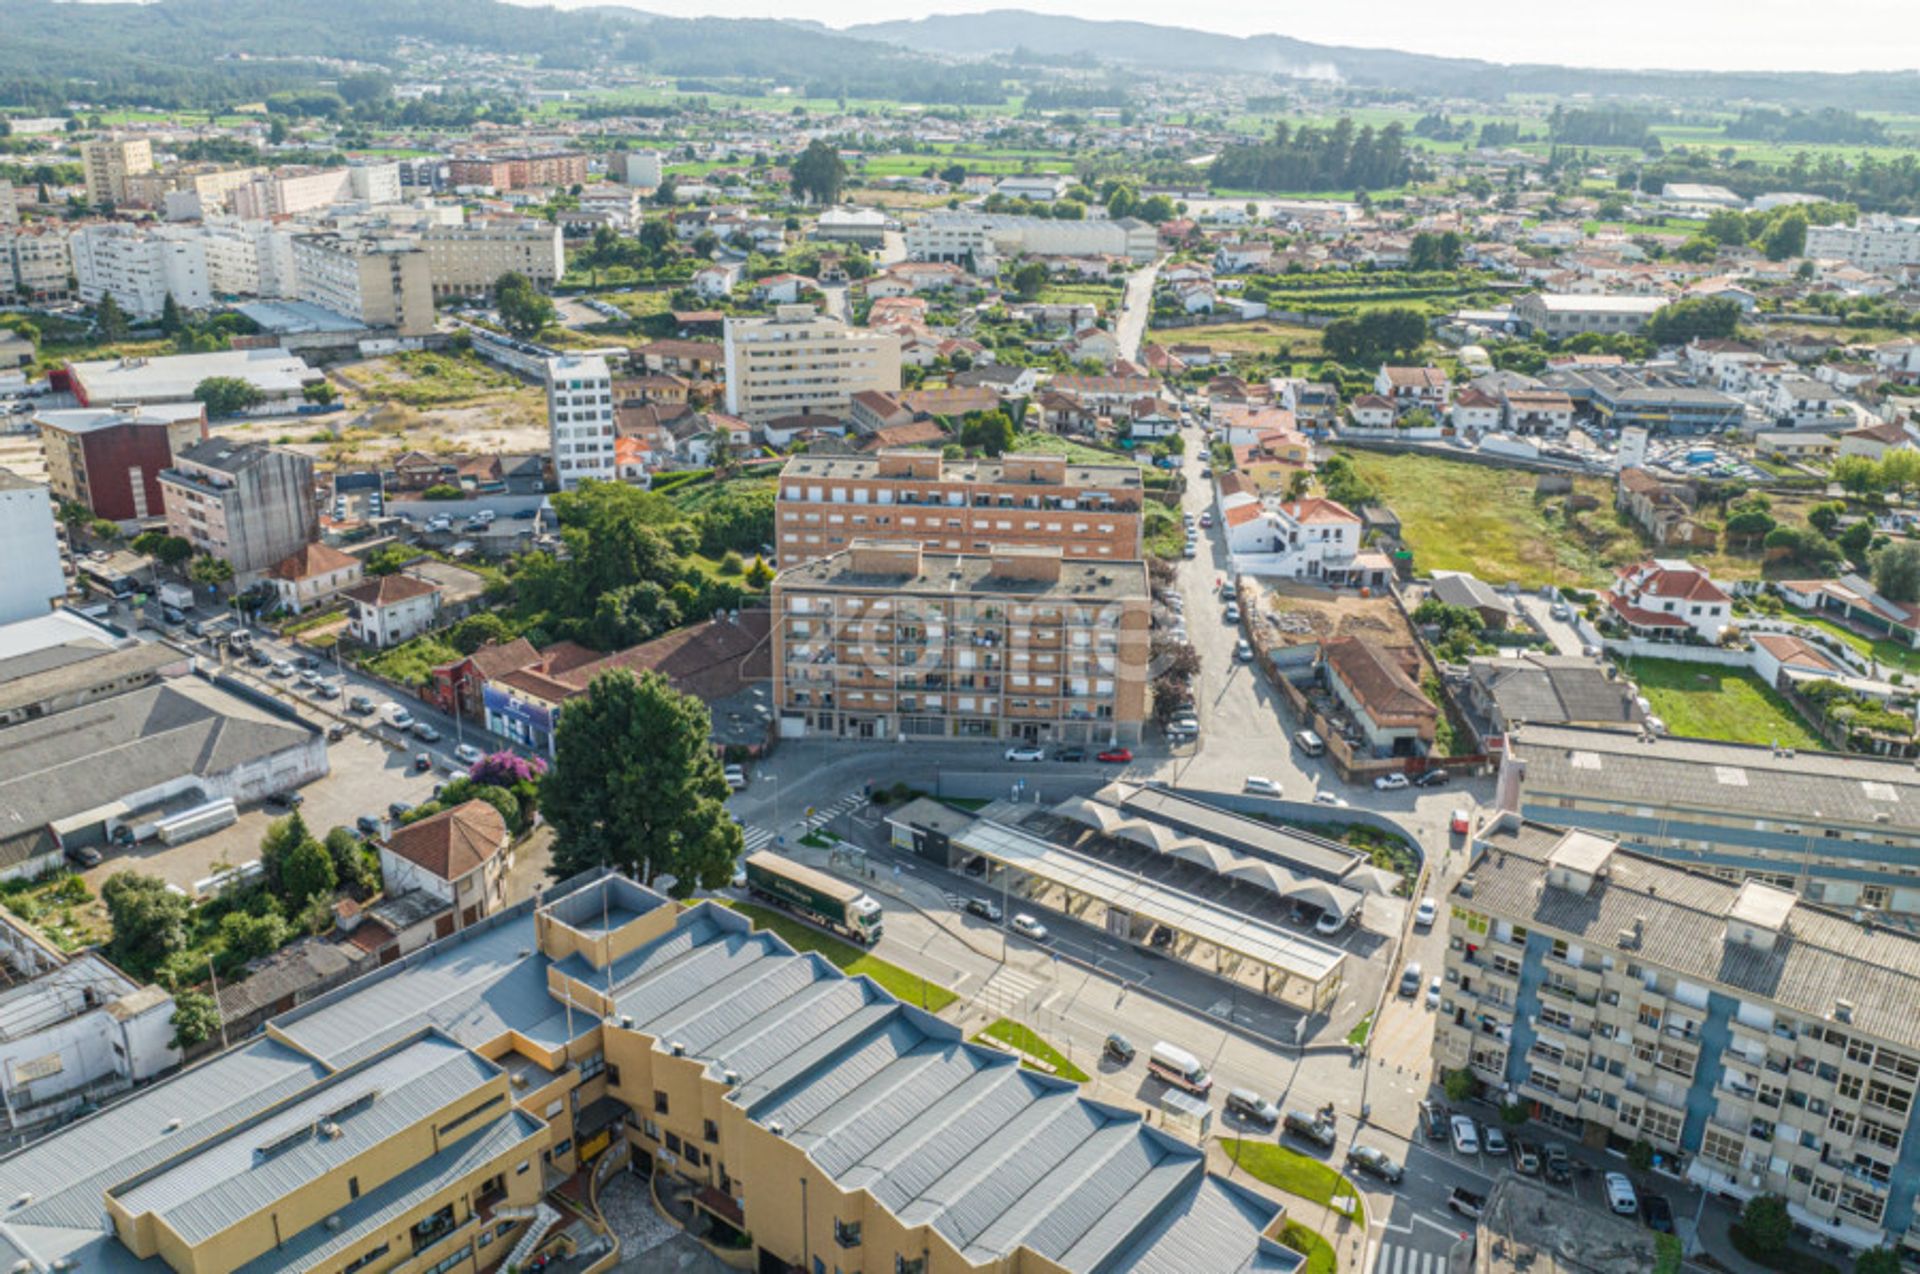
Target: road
[{"x": 1137, "y": 305}]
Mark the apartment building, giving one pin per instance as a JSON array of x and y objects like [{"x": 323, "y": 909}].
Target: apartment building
[
  {"x": 248, "y": 258},
  {"x": 382, "y": 283},
  {"x": 800, "y": 362},
  {"x": 580, "y": 419},
  {"x": 957, "y": 506},
  {"x": 36, "y": 265},
  {"x": 294, "y": 189},
  {"x": 247, "y": 504},
  {"x": 9, "y": 207},
  {"x": 1557, "y": 315},
  {"x": 1759, "y": 1044},
  {"x": 885, "y": 640},
  {"x": 188, "y": 192},
  {"x": 985, "y": 237},
  {"x": 412, "y": 1119},
  {"x": 1877, "y": 242},
  {"x": 109, "y": 459},
  {"x": 1841, "y": 829},
  {"x": 33, "y": 581},
  {"x": 467, "y": 260},
  {"x": 516, "y": 172},
  {"x": 140, "y": 268},
  {"x": 640, "y": 168},
  {"x": 107, "y": 162}
]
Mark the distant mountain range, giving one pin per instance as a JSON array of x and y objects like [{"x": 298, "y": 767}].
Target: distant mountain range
[{"x": 1147, "y": 44}]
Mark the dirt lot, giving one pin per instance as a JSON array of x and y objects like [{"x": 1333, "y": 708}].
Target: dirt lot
[{"x": 1300, "y": 609}]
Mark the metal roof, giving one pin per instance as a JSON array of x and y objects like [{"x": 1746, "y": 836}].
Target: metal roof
[{"x": 1229, "y": 930}]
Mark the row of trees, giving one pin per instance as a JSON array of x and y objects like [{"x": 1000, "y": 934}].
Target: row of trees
[{"x": 1310, "y": 157}]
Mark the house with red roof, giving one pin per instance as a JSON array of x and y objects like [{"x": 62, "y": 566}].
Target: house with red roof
[
  {"x": 312, "y": 575},
  {"x": 1669, "y": 599},
  {"x": 394, "y": 608},
  {"x": 458, "y": 856}
]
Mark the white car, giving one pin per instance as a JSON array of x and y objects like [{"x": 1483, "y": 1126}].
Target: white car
[
  {"x": 1426, "y": 913},
  {"x": 1390, "y": 782},
  {"x": 1620, "y": 1195},
  {"x": 398, "y": 717},
  {"x": 1328, "y": 798},
  {"x": 1026, "y": 752},
  {"x": 1330, "y": 923},
  {"x": 735, "y": 776},
  {"x": 1265, "y": 787},
  {"x": 1243, "y": 652},
  {"x": 1027, "y": 927},
  {"x": 467, "y": 754},
  {"x": 1433, "y": 994},
  {"x": 1466, "y": 1138}
]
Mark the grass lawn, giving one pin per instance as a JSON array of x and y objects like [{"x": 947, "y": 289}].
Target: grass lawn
[
  {"x": 1361, "y": 1031},
  {"x": 909, "y": 988},
  {"x": 1055, "y": 445},
  {"x": 1895, "y": 654},
  {"x": 1706, "y": 701},
  {"x": 412, "y": 663},
  {"x": 62, "y": 907},
  {"x": 1293, "y": 1172},
  {"x": 1165, "y": 536},
  {"x": 1012, "y": 1033},
  {"x": 1104, "y": 296},
  {"x": 1457, "y": 516},
  {"x": 692, "y": 497},
  {"x": 1319, "y": 1252},
  {"x": 1262, "y": 339}
]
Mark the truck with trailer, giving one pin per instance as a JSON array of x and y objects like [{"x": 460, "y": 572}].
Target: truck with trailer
[{"x": 814, "y": 895}]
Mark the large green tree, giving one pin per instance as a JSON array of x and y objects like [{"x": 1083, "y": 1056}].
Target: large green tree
[
  {"x": 636, "y": 785},
  {"x": 819, "y": 174},
  {"x": 227, "y": 395},
  {"x": 1896, "y": 571},
  {"x": 149, "y": 920},
  {"x": 523, "y": 310}
]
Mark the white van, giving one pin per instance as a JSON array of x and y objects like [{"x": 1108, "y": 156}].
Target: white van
[{"x": 1180, "y": 1068}]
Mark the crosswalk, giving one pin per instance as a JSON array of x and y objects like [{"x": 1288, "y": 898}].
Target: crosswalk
[
  {"x": 1397, "y": 1259},
  {"x": 756, "y": 838},
  {"x": 1009, "y": 991},
  {"x": 823, "y": 815}
]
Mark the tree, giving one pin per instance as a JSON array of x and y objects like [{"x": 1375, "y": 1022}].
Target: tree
[
  {"x": 667, "y": 191},
  {"x": 350, "y": 860},
  {"x": 1766, "y": 1226},
  {"x": 111, "y": 319},
  {"x": 195, "y": 1019},
  {"x": 1703, "y": 318},
  {"x": 1459, "y": 1085},
  {"x": 276, "y": 845},
  {"x": 475, "y": 631},
  {"x": 227, "y": 395},
  {"x": 1371, "y": 338},
  {"x": 990, "y": 431},
  {"x": 1029, "y": 279},
  {"x": 1825, "y": 517},
  {"x": 171, "y": 321},
  {"x": 636, "y": 785},
  {"x": 307, "y": 873},
  {"x": 168, "y": 550},
  {"x": 1155, "y": 209},
  {"x": 1640, "y": 1155},
  {"x": 1879, "y": 1260},
  {"x": 759, "y": 575},
  {"x": 207, "y": 569},
  {"x": 1896, "y": 571},
  {"x": 819, "y": 174},
  {"x": 1786, "y": 237},
  {"x": 1808, "y": 548},
  {"x": 250, "y": 937},
  {"x": 1724, "y": 225},
  {"x": 1435, "y": 251},
  {"x": 1856, "y": 540},
  {"x": 149, "y": 920},
  {"x": 1858, "y": 475},
  {"x": 523, "y": 310},
  {"x": 656, "y": 235},
  {"x": 1750, "y": 526},
  {"x": 321, "y": 392},
  {"x": 104, "y": 529}
]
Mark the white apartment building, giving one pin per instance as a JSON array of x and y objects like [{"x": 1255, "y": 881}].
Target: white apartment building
[
  {"x": 639, "y": 168},
  {"x": 382, "y": 283},
  {"x": 800, "y": 361},
  {"x": 108, "y": 162},
  {"x": 248, "y": 258},
  {"x": 580, "y": 419},
  {"x": 467, "y": 260},
  {"x": 294, "y": 190},
  {"x": 140, "y": 268},
  {"x": 36, "y": 264},
  {"x": 9, "y": 205},
  {"x": 32, "y": 581},
  {"x": 1876, "y": 243},
  {"x": 955, "y": 236}
]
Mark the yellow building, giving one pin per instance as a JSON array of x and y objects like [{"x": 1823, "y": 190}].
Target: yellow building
[
  {"x": 797, "y": 1118},
  {"x": 107, "y": 163}
]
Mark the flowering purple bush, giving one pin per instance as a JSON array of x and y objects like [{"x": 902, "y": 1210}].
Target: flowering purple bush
[{"x": 506, "y": 769}]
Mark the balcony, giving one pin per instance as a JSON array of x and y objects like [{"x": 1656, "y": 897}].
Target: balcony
[{"x": 1568, "y": 994}]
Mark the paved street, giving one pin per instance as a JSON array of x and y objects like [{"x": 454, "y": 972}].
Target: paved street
[{"x": 1135, "y": 308}]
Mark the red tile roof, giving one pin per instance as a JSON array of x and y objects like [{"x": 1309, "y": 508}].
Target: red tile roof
[
  {"x": 390, "y": 590},
  {"x": 454, "y": 842},
  {"x": 311, "y": 560}
]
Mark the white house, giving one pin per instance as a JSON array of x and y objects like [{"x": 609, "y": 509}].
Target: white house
[
  {"x": 717, "y": 281},
  {"x": 391, "y": 609},
  {"x": 1038, "y": 187},
  {"x": 781, "y": 289},
  {"x": 312, "y": 576},
  {"x": 1410, "y": 387},
  {"x": 1668, "y": 598},
  {"x": 1800, "y": 402},
  {"x": 458, "y": 856},
  {"x": 1371, "y": 411},
  {"x": 1477, "y": 410}
]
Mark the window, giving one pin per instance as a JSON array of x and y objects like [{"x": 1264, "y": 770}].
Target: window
[
  {"x": 709, "y": 1130},
  {"x": 592, "y": 1065},
  {"x": 909, "y": 1265},
  {"x": 1660, "y": 1125},
  {"x": 1888, "y": 1097},
  {"x": 353, "y": 1187},
  {"x": 673, "y": 1142},
  {"x": 694, "y": 1159},
  {"x": 1721, "y": 1148},
  {"x": 846, "y": 1233},
  {"x": 659, "y": 1102},
  {"x": 613, "y": 1076},
  {"x": 522, "y": 1169},
  {"x": 365, "y": 1259},
  {"x": 1850, "y": 1086}
]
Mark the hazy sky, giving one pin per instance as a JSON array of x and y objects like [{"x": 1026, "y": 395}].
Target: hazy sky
[{"x": 1824, "y": 35}]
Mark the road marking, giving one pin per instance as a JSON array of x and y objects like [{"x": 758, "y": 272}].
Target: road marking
[
  {"x": 755, "y": 838},
  {"x": 1450, "y": 1231}
]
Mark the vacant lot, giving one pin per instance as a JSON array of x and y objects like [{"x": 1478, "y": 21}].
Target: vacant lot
[
  {"x": 1704, "y": 701},
  {"x": 429, "y": 379},
  {"x": 1261, "y": 339},
  {"x": 1457, "y": 516}
]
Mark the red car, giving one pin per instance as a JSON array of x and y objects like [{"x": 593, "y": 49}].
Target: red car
[{"x": 1116, "y": 756}]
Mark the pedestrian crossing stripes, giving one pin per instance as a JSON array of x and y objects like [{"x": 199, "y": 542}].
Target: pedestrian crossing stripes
[
  {"x": 1395, "y": 1259},
  {"x": 756, "y": 838},
  {"x": 1008, "y": 992},
  {"x": 821, "y": 817}
]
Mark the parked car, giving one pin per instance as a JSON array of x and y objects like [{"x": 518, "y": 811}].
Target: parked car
[
  {"x": 1026, "y": 752},
  {"x": 360, "y": 704},
  {"x": 985, "y": 910},
  {"x": 467, "y": 754},
  {"x": 1526, "y": 1158},
  {"x": 1243, "y": 651},
  {"x": 1328, "y": 798},
  {"x": 735, "y": 776},
  {"x": 1426, "y": 913},
  {"x": 1311, "y": 1128},
  {"x": 1027, "y": 927},
  {"x": 1620, "y": 1195},
  {"x": 1119, "y": 1048},
  {"x": 1433, "y": 1120},
  {"x": 258, "y": 657},
  {"x": 1410, "y": 980},
  {"x": 1252, "y": 1107},
  {"x": 286, "y": 800},
  {"x": 396, "y": 716},
  {"x": 1461, "y": 823},
  {"x": 1467, "y": 1203},
  {"x": 1466, "y": 1138},
  {"x": 1116, "y": 756},
  {"x": 422, "y": 762},
  {"x": 1391, "y": 783},
  {"x": 280, "y": 668},
  {"x": 1492, "y": 1139},
  {"x": 1262, "y": 786},
  {"x": 1310, "y": 743},
  {"x": 1657, "y": 1213},
  {"x": 425, "y": 733},
  {"x": 1434, "y": 778},
  {"x": 1559, "y": 1164},
  {"x": 1374, "y": 1162},
  {"x": 396, "y": 808},
  {"x": 83, "y": 856},
  {"x": 327, "y": 690},
  {"x": 1331, "y": 922},
  {"x": 1070, "y": 755},
  {"x": 336, "y": 732},
  {"x": 368, "y": 825},
  {"x": 1433, "y": 1002},
  {"x": 1232, "y": 614}
]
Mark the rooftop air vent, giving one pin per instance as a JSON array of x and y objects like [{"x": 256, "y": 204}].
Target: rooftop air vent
[
  {"x": 1843, "y": 1011},
  {"x": 677, "y": 1049}
]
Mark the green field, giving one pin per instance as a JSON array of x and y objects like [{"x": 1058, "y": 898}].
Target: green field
[
  {"x": 1261, "y": 338},
  {"x": 1293, "y": 1172},
  {"x": 1012, "y": 1033},
  {"x": 1895, "y": 653},
  {"x": 420, "y": 378},
  {"x": 1706, "y": 701},
  {"x": 1467, "y": 517},
  {"x": 908, "y": 988}
]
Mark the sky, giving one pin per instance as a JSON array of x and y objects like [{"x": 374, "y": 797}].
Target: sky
[{"x": 1782, "y": 35}]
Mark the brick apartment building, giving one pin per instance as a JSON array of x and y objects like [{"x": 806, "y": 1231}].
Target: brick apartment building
[
  {"x": 957, "y": 506},
  {"x": 516, "y": 172},
  {"x": 109, "y": 459}
]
